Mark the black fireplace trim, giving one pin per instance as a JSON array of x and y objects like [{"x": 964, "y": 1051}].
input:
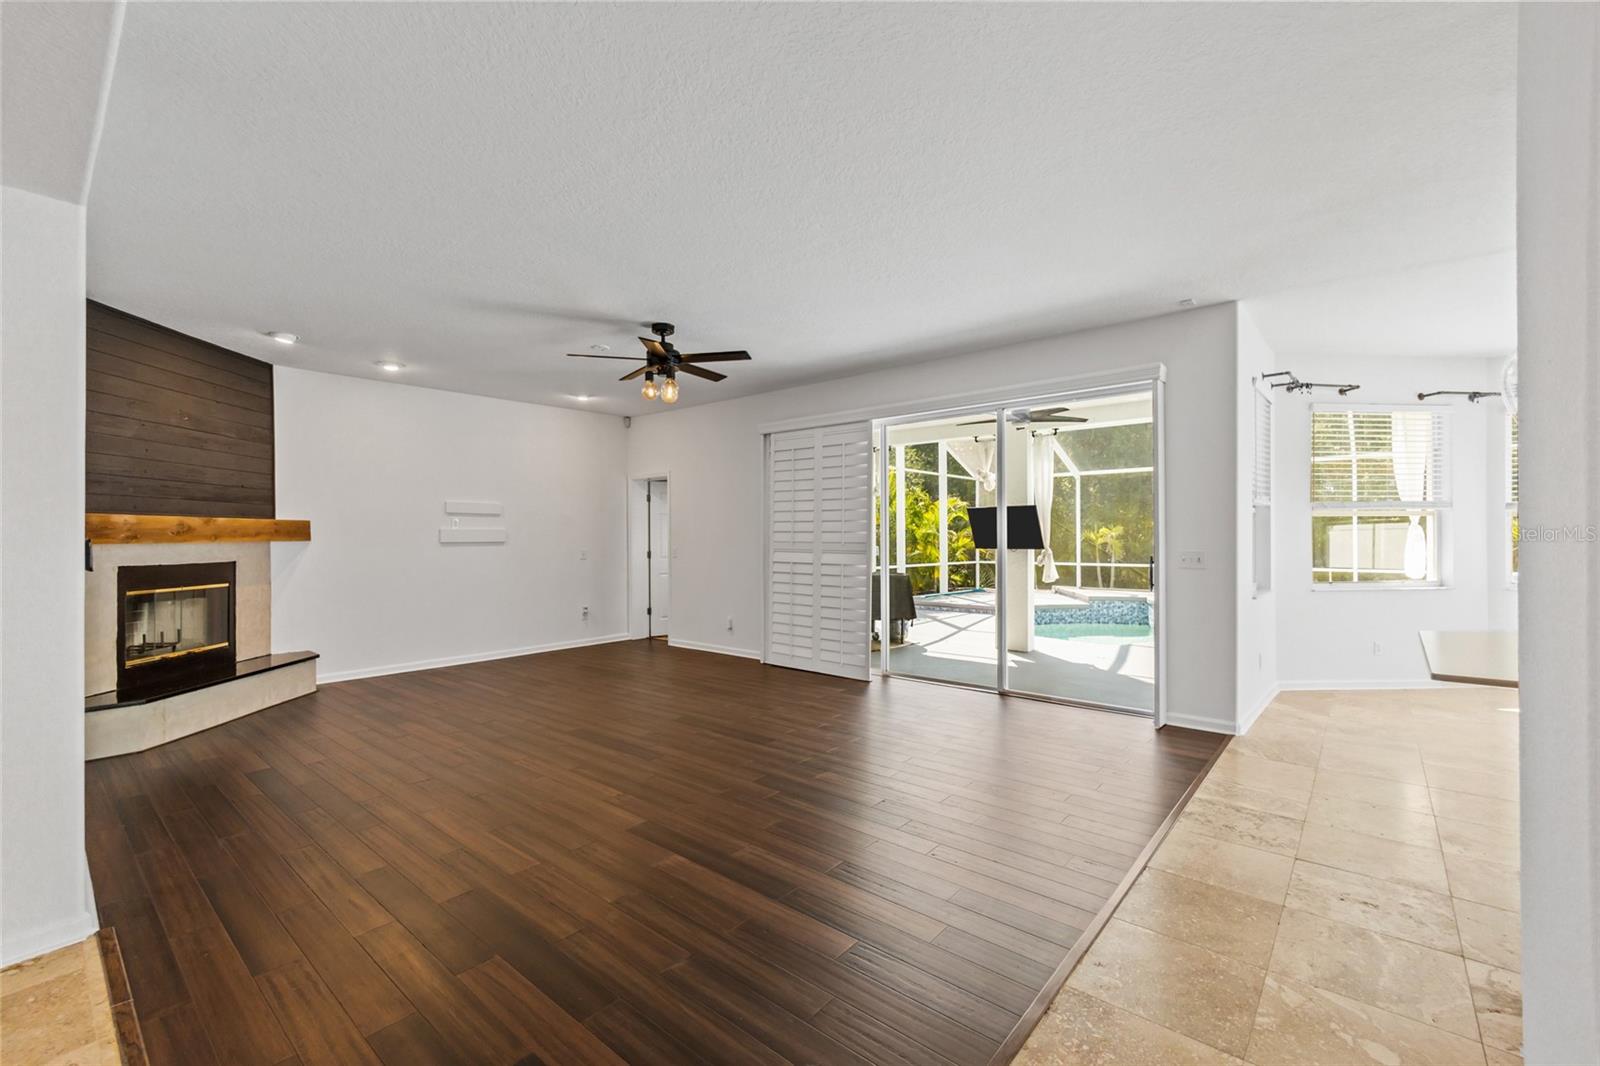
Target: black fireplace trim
[
  {"x": 178, "y": 672},
  {"x": 106, "y": 701}
]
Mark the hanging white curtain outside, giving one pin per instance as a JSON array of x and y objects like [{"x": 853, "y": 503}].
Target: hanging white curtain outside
[
  {"x": 1044, "y": 495},
  {"x": 977, "y": 456}
]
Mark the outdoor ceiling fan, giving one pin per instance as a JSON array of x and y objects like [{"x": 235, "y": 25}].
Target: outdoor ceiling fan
[
  {"x": 662, "y": 360},
  {"x": 1044, "y": 415}
]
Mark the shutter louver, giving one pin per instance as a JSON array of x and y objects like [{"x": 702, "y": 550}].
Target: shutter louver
[
  {"x": 1512, "y": 464},
  {"x": 1261, "y": 480},
  {"x": 819, "y": 491}
]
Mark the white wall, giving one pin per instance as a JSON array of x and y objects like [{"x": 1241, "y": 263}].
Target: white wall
[
  {"x": 371, "y": 464},
  {"x": 714, "y": 456},
  {"x": 1257, "y": 611},
  {"x": 44, "y": 881},
  {"x": 1326, "y": 635},
  {"x": 1558, "y": 256}
]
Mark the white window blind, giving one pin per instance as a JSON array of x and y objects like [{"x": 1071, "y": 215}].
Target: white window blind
[
  {"x": 1512, "y": 465},
  {"x": 1379, "y": 458},
  {"x": 1261, "y": 478},
  {"x": 1261, "y": 497},
  {"x": 819, "y": 493},
  {"x": 1513, "y": 494}
]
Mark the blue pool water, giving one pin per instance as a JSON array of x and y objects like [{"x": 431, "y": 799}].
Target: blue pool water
[{"x": 1093, "y": 632}]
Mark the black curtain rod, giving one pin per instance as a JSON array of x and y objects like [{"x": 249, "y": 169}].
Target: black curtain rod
[{"x": 1473, "y": 395}]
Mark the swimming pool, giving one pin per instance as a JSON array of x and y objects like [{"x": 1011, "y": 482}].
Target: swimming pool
[{"x": 1093, "y": 632}]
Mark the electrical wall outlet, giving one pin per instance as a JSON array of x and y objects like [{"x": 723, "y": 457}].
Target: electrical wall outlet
[
  {"x": 1377, "y": 649},
  {"x": 586, "y": 614},
  {"x": 1192, "y": 560},
  {"x": 583, "y": 555}
]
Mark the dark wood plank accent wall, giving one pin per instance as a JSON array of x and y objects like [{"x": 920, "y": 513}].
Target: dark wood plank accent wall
[{"x": 175, "y": 425}]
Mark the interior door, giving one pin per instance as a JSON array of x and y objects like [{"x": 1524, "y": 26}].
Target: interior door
[
  {"x": 660, "y": 557},
  {"x": 819, "y": 517}
]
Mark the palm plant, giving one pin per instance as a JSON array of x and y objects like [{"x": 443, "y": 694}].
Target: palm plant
[{"x": 1110, "y": 539}]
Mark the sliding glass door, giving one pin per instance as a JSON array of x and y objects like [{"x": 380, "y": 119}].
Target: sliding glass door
[
  {"x": 1057, "y": 598},
  {"x": 1081, "y": 618},
  {"x": 938, "y": 582}
]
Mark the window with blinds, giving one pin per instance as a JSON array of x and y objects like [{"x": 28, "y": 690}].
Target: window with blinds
[
  {"x": 1380, "y": 483},
  {"x": 1513, "y": 518},
  {"x": 1261, "y": 474},
  {"x": 1261, "y": 495}
]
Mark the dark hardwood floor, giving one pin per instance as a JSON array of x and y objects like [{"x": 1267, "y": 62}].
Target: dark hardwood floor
[{"x": 620, "y": 853}]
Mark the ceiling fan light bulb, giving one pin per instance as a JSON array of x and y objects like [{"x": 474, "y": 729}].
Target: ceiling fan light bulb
[
  {"x": 669, "y": 391},
  {"x": 649, "y": 391}
]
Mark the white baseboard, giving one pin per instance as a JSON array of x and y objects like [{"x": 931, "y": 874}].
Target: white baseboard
[
  {"x": 20, "y": 947},
  {"x": 718, "y": 649},
  {"x": 1397, "y": 683},
  {"x": 460, "y": 660},
  {"x": 1250, "y": 717},
  {"x": 1201, "y": 722}
]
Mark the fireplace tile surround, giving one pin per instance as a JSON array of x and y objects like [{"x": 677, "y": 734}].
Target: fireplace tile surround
[
  {"x": 124, "y": 719},
  {"x": 252, "y": 599}
]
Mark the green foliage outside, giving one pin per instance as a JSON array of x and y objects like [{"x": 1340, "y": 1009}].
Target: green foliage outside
[{"x": 1118, "y": 514}]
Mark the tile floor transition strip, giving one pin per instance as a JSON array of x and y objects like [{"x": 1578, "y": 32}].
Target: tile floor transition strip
[{"x": 1013, "y": 1044}]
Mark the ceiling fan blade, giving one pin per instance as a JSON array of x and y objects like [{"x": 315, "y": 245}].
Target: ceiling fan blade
[
  {"x": 714, "y": 357},
  {"x": 979, "y": 422},
  {"x": 633, "y": 374},
  {"x": 586, "y": 355},
  {"x": 1059, "y": 418},
  {"x": 653, "y": 346},
  {"x": 709, "y": 375}
]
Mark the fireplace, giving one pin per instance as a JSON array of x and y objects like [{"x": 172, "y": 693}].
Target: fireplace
[{"x": 175, "y": 625}]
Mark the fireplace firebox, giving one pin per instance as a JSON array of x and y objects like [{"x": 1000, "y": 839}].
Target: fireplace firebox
[{"x": 175, "y": 625}]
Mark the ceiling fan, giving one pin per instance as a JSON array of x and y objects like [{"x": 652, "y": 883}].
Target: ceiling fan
[
  {"x": 662, "y": 360},
  {"x": 1044, "y": 415}
]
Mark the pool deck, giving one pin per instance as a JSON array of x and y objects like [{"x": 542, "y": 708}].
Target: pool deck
[{"x": 950, "y": 645}]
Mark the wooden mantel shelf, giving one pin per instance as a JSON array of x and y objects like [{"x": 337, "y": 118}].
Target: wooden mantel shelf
[{"x": 189, "y": 529}]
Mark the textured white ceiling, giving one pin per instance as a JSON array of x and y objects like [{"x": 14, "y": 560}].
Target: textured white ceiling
[
  {"x": 54, "y": 64},
  {"x": 1463, "y": 308},
  {"x": 476, "y": 189}
]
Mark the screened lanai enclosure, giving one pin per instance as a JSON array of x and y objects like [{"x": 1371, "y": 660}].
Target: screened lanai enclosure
[{"x": 1077, "y": 601}]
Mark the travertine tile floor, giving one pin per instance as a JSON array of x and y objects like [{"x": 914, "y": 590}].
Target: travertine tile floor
[
  {"x": 55, "y": 1010},
  {"x": 1342, "y": 889}
]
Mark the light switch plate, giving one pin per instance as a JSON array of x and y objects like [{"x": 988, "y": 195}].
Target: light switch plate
[{"x": 1192, "y": 560}]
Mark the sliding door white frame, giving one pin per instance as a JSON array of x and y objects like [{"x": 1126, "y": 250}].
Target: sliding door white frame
[{"x": 1158, "y": 580}]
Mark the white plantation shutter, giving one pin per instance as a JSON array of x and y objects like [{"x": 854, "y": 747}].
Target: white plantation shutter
[
  {"x": 1261, "y": 496},
  {"x": 819, "y": 499},
  {"x": 1513, "y": 465},
  {"x": 1379, "y": 458},
  {"x": 1261, "y": 473}
]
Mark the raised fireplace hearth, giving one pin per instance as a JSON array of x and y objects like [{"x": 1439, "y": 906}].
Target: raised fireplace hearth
[
  {"x": 175, "y": 626},
  {"x": 177, "y": 639}
]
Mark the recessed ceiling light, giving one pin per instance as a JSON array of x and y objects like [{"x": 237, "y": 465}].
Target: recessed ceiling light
[
  {"x": 583, "y": 399},
  {"x": 599, "y": 347},
  {"x": 283, "y": 338},
  {"x": 390, "y": 365}
]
